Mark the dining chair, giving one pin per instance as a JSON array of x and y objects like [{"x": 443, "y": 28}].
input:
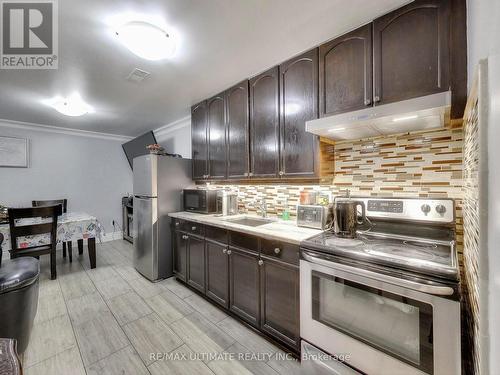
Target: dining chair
[
  {"x": 64, "y": 204},
  {"x": 22, "y": 230}
]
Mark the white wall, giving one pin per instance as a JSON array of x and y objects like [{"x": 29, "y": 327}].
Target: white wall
[
  {"x": 483, "y": 30},
  {"x": 484, "y": 42},
  {"x": 176, "y": 137},
  {"x": 92, "y": 173}
]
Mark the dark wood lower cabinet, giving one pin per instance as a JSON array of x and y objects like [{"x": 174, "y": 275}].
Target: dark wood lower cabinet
[
  {"x": 280, "y": 304},
  {"x": 196, "y": 263},
  {"x": 254, "y": 283},
  {"x": 217, "y": 272},
  {"x": 180, "y": 255},
  {"x": 244, "y": 284}
]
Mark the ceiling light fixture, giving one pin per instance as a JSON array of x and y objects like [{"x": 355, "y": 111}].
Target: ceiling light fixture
[
  {"x": 404, "y": 118},
  {"x": 146, "y": 40},
  {"x": 73, "y": 105},
  {"x": 335, "y": 130}
]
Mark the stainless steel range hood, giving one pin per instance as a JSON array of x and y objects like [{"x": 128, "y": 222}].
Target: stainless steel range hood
[{"x": 426, "y": 112}]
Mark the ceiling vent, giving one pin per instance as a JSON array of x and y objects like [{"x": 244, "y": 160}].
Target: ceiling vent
[{"x": 137, "y": 75}]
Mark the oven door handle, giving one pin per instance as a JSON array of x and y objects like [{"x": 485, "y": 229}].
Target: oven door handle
[{"x": 425, "y": 288}]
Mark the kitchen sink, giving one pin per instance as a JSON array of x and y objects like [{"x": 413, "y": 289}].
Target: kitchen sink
[{"x": 251, "y": 221}]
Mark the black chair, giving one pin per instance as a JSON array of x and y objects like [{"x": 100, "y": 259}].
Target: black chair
[
  {"x": 17, "y": 231},
  {"x": 64, "y": 204},
  {"x": 18, "y": 300}
]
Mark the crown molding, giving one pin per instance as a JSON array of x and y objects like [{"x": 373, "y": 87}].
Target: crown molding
[
  {"x": 173, "y": 126},
  {"x": 61, "y": 130}
]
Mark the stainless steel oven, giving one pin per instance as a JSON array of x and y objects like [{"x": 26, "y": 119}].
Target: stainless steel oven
[
  {"x": 201, "y": 201},
  {"x": 380, "y": 322}
]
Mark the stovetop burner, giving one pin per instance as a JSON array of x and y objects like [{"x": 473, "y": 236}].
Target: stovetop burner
[{"x": 434, "y": 255}]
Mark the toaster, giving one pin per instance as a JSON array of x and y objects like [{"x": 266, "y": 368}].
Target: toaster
[{"x": 313, "y": 216}]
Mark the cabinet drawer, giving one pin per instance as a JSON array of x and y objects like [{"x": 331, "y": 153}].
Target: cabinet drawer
[
  {"x": 280, "y": 250},
  {"x": 194, "y": 228},
  {"x": 244, "y": 241},
  {"x": 216, "y": 234},
  {"x": 178, "y": 224}
]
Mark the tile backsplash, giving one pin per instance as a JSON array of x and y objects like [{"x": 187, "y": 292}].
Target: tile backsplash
[{"x": 418, "y": 164}]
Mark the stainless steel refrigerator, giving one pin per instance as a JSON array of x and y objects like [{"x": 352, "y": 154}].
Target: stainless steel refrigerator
[{"x": 158, "y": 184}]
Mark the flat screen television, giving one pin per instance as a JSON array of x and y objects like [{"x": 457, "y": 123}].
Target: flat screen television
[{"x": 137, "y": 147}]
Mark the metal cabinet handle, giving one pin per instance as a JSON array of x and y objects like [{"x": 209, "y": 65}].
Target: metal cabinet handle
[
  {"x": 229, "y": 252},
  {"x": 250, "y": 174},
  {"x": 177, "y": 224},
  {"x": 261, "y": 262},
  {"x": 245, "y": 174},
  {"x": 193, "y": 228},
  {"x": 184, "y": 237},
  {"x": 277, "y": 250},
  {"x": 368, "y": 102},
  {"x": 376, "y": 99},
  {"x": 281, "y": 173},
  {"x": 224, "y": 251}
]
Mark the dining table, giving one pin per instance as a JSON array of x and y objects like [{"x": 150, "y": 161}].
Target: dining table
[{"x": 71, "y": 226}]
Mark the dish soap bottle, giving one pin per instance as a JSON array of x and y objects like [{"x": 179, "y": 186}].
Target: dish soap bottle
[{"x": 286, "y": 212}]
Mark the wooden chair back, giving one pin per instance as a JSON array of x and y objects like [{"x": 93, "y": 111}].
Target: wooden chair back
[
  {"x": 17, "y": 231},
  {"x": 55, "y": 202}
]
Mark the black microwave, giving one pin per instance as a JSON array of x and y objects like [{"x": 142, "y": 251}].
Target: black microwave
[{"x": 202, "y": 201}]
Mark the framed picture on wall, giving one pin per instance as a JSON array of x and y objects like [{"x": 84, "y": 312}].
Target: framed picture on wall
[{"x": 14, "y": 152}]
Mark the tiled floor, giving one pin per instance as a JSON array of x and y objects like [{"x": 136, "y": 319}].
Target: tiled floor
[{"x": 110, "y": 320}]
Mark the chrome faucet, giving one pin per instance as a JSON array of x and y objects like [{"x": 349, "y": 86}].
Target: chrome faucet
[{"x": 262, "y": 207}]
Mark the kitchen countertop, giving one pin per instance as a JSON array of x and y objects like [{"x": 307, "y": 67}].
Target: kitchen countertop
[{"x": 280, "y": 230}]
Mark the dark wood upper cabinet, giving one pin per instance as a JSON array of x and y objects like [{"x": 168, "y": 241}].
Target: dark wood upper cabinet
[
  {"x": 280, "y": 302},
  {"x": 411, "y": 51},
  {"x": 264, "y": 124},
  {"x": 199, "y": 140},
  {"x": 237, "y": 118},
  {"x": 298, "y": 104},
  {"x": 216, "y": 137},
  {"x": 196, "y": 263},
  {"x": 244, "y": 284},
  {"x": 345, "y": 72}
]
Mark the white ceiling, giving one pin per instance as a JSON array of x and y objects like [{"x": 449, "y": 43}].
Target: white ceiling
[{"x": 220, "y": 42}]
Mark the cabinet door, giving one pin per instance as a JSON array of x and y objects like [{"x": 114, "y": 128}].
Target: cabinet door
[
  {"x": 237, "y": 131},
  {"x": 180, "y": 255},
  {"x": 196, "y": 263},
  {"x": 411, "y": 51},
  {"x": 264, "y": 124},
  {"x": 217, "y": 269},
  {"x": 280, "y": 301},
  {"x": 345, "y": 72},
  {"x": 216, "y": 138},
  {"x": 199, "y": 141},
  {"x": 299, "y": 103},
  {"x": 244, "y": 285}
]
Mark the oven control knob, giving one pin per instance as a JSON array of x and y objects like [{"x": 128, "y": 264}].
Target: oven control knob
[
  {"x": 425, "y": 208},
  {"x": 440, "y": 209}
]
